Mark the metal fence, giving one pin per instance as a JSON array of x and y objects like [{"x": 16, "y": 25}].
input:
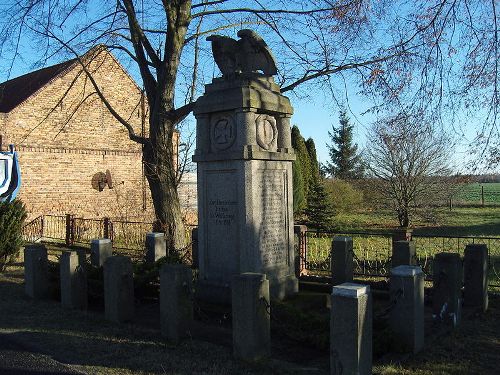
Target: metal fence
[
  {"x": 372, "y": 252},
  {"x": 128, "y": 236}
]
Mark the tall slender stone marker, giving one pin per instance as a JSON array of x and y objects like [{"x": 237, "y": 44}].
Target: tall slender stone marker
[
  {"x": 244, "y": 157},
  {"x": 476, "y": 276}
]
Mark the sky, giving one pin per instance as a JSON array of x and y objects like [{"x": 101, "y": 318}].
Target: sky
[{"x": 313, "y": 117}]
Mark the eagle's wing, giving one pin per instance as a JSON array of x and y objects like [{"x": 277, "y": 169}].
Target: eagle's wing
[
  {"x": 255, "y": 54},
  {"x": 224, "y": 51}
]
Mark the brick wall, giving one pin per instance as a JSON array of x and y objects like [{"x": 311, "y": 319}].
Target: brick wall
[{"x": 65, "y": 135}]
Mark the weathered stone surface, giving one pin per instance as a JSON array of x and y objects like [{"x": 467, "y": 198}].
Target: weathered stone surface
[
  {"x": 118, "y": 289},
  {"x": 476, "y": 276},
  {"x": 403, "y": 253},
  {"x": 176, "y": 304},
  {"x": 73, "y": 281},
  {"x": 351, "y": 330},
  {"x": 447, "y": 285},
  {"x": 406, "y": 319},
  {"x": 100, "y": 250},
  {"x": 342, "y": 264},
  {"x": 251, "y": 321},
  {"x": 156, "y": 246},
  {"x": 35, "y": 271},
  {"x": 244, "y": 186},
  {"x": 247, "y": 55}
]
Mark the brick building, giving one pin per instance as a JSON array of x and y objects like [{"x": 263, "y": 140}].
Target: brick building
[{"x": 67, "y": 139}]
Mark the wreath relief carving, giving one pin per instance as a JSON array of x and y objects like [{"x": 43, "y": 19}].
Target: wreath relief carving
[{"x": 266, "y": 131}]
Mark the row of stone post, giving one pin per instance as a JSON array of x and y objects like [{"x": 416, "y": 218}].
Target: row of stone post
[
  {"x": 352, "y": 317},
  {"x": 175, "y": 287},
  {"x": 101, "y": 249},
  {"x": 449, "y": 274}
]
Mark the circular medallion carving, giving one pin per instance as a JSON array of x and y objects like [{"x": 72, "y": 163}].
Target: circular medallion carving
[
  {"x": 266, "y": 131},
  {"x": 223, "y": 133}
]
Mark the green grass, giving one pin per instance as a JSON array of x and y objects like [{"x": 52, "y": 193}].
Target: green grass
[
  {"x": 471, "y": 193},
  {"x": 374, "y": 250}
]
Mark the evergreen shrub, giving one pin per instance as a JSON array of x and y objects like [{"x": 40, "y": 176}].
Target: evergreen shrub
[{"x": 12, "y": 217}]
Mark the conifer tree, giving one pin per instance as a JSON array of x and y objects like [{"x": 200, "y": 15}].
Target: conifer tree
[
  {"x": 319, "y": 209},
  {"x": 345, "y": 162},
  {"x": 311, "y": 150},
  {"x": 303, "y": 173}
]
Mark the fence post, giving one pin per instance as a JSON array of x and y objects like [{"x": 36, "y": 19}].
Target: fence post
[
  {"x": 300, "y": 266},
  {"x": 70, "y": 230},
  {"x": 482, "y": 195},
  {"x": 43, "y": 225},
  {"x": 106, "y": 227}
]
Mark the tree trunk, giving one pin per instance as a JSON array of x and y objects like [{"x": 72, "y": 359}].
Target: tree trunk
[{"x": 160, "y": 173}]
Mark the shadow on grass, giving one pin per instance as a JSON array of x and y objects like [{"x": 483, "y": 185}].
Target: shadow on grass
[
  {"x": 85, "y": 340},
  {"x": 488, "y": 229}
]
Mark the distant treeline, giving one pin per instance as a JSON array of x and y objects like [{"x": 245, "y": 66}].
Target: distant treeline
[{"x": 481, "y": 178}]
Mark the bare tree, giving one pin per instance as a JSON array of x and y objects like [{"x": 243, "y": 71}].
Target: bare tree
[
  {"x": 415, "y": 55},
  {"x": 411, "y": 160}
]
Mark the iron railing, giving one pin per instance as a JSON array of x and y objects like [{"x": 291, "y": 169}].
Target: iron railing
[
  {"x": 128, "y": 236},
  {"x": 372, "y": 252}
]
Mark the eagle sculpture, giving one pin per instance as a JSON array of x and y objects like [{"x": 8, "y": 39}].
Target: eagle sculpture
[{"x": 250, "y": 54}]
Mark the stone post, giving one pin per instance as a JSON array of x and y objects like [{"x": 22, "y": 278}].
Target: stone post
[
  {"x": 251, "y": 321},
  {"x": 342, "y": 265},
  {"x": 476, "y": 276},
  {"x": 118, "y": 289},
  {"x": 100, "y": 250},
  {"x": 406, "y": 319},
  {"x": 73, "y": 281},
  {"x": 35, "y": 271},
  {"x": 351, "y": 330},
  {"x": 403, "y": 253},
  {"x": 156, "y": 246},
  {"x": 447, "y": 285},
  {"x": 176, "y": 305}
]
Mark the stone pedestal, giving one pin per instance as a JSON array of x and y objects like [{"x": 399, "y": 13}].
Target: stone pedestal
[
  {"x": 403, "y": 254},
  {"x": 73, "y": 281},
  {"x": 244, "y": 158},
  {"x": 351, "y": 330},
  {"x": 100, "y": 250},
  {"x": 476, "y": 276},
  {"x": 447, "y": 285},
  {"x": 118, "y": 289},
  {"x": 176, "y": 305},
  {"x": 406, "y": 319},
  {"x": 342, "y": 265},
  {"x": 35, "y": 271},
  {"x": 156, "y": 246},
  {"x": 251, "y": 321}
]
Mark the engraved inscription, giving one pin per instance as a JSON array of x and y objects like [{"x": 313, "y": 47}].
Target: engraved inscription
[
  {"x": 266, "y": 131},
  {"x": 221, "y": 212},
  {"x": 223, "y": 133},
  {"x": 273, "y": 230},
  {"x": 221, "y": 223}
]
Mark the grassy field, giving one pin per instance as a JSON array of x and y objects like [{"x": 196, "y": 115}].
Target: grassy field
[
  {"x": 374, "y": 248},
  {"x": 475, "y": 193}
]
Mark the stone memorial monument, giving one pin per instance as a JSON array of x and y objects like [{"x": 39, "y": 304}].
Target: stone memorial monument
[{"x": 244, "y": 157}]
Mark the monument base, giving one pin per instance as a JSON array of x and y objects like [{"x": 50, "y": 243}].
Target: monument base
[{"x": 220, "y": 293}]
